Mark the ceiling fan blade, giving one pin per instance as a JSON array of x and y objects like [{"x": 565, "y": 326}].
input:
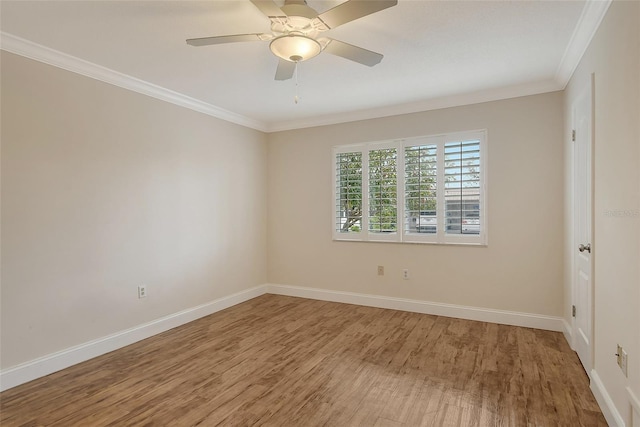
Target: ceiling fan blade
[
  {"x": 352, "y": 10},
  {"x": 285, "y": 69},
  {"x": 353, "y": 53},
  {"x": 206, "y": 41},
  {"x": 269, "y": 8}
]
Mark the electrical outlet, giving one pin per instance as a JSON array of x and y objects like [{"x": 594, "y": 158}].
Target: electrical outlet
[
  {"x": 381, "y": 270},
  {"x": 405, "y": 274},
  {"x": 623, "y": 362},
  {"x": 142, "y": 291}
]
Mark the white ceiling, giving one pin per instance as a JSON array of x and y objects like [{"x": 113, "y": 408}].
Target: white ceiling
[{"x": 436, "y": 53}]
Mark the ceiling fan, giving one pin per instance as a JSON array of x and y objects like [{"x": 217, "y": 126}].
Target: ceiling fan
[{"x": 295, "y": 28}]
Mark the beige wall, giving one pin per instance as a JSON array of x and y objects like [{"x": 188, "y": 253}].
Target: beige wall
[
  {"x": 520, "y": 270},
  {"x": 104, "y": 189},
  {"x": 614, "y": 58}
]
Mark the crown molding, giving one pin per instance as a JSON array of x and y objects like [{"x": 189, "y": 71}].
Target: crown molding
[
  {"x": 37, "y": 52},
  {"x": 494, "y": 94},
  {"x": 588, "y": 23}
]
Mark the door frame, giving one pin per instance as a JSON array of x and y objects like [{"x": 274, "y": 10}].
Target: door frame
[{"x": 587, "y": 91}]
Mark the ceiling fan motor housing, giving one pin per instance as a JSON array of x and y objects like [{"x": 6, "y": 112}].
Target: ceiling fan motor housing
[{"x": 298, "y": 8}]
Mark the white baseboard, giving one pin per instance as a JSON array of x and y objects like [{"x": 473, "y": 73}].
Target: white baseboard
[
  {"x": 51, "y": 363},
  {"x": 635, "y": 405},
  {"x": 607, "y": 406},
  {"x": 567, "y": 330},
  {"x": 439, "y": 309}
]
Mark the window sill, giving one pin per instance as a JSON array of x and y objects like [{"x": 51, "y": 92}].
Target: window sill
[{"x": 466, "y": 244}]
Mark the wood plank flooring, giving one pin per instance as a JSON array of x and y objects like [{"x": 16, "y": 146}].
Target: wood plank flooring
[{"x": 282, "y": 361}]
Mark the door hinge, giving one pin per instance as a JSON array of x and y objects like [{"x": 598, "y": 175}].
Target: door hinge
[
  {"x": 573, "y": 310},
  {"x": 573, "y": 135}
]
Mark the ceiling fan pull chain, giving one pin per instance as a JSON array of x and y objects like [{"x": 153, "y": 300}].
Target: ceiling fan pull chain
[{"x": 296, "y": 98}]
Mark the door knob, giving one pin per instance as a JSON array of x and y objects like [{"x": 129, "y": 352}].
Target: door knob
[{"x": 586, "y": 247}]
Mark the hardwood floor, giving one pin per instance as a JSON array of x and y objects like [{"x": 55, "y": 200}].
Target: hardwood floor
[{"x": 282, "y": 361}]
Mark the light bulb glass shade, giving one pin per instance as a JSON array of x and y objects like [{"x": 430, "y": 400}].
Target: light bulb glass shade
[{"x": 295, "y": 47}]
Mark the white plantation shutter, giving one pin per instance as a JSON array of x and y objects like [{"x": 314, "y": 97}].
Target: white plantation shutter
[
  {"x": 462, "y": 187},
  {"x": 420, "y": 188},
  {"x": 426, "y": 189},
  {"x": 348, "y": 205},
  {"x": 383, "y": 185}
]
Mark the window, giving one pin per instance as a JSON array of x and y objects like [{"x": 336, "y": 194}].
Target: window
[{"x": 427, "y": 189}]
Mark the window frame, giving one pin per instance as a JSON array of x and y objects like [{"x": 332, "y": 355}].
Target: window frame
[{"x": 400, "y": 235}]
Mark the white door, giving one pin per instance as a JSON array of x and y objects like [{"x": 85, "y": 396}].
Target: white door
[{"x": 582, "y": 249}]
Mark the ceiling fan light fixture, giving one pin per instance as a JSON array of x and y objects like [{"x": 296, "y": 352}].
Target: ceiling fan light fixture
[{"x": 295, "y": 47}]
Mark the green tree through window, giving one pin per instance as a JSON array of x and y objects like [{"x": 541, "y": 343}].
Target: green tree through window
[
  {"x": 420, "y": 170},
  {"x": 349, "y": 191},
  {"x": 383, "y": 210}
]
